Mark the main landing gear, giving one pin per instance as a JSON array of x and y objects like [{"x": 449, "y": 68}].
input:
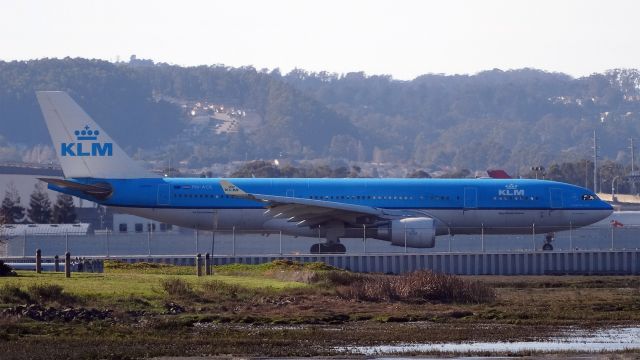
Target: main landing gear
[
  {"x": 328, "y": 248},
  {"x": 548, "y": 239},
  {"x": 332, "y": 232}
]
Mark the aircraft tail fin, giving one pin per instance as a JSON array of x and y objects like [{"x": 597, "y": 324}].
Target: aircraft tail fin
[
  {"x": 84, "y": 149},
  {"x": 498, "y": 174}
]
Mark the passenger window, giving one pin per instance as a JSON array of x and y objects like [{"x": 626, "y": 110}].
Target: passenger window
[
  {"x": 138, "y": 227},
  {"x": 122, "y": 227}
]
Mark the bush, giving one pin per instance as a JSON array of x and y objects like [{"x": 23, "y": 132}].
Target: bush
[
  {"x": 337, "y": 277},
  {"x": 13, "y": 294},
  {"x": 45, "y": 293},
  {"x": 114, "y": 266},
  {"x": 178, "y": 288},
  {"x": 218, "y": 290},
  {"x": 6, "y": 270},
  {"x": 418, "y": 286},
  {"x": 38, "y": 293}
]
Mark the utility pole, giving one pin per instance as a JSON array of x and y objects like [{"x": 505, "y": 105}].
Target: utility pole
[
  {"x": 632, "y": 176},
  {"x": 633, "y": 151},
  {"x": 595, "y": 162}
]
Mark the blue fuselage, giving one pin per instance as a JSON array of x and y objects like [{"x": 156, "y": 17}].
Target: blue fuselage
[{"x": 457, "y": 205}]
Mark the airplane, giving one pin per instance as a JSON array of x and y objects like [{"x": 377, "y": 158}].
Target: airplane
[{"x": 405, "y": 212}]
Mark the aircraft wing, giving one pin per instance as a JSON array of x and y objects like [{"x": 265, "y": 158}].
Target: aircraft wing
[{"x": 310, "y": 212}]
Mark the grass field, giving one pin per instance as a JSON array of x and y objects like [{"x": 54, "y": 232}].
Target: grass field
[{"x": 285, "y": 309}]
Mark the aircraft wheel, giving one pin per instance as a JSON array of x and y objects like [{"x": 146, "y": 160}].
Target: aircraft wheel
[
  {"x": 547, "y": 247},
  {"x": 323, "y": 248},
  {"x": 338, "y": 248}
]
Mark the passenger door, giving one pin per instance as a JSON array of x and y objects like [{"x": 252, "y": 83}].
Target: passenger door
[
  {"x": 555, "y": 198},
  {"x": 164, "y": 194},
  {"x": 470, "y": 198}
]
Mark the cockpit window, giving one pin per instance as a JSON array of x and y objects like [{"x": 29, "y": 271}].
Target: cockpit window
[{"x": 588, "y": 197}]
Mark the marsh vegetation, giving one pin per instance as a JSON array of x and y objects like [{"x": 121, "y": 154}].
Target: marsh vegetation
[{"x": 289, "y": 309}]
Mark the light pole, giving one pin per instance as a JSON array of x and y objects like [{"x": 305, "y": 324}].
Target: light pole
[
  {"x": 613, "y": 188},
  {"x": 538, "y": 169}
]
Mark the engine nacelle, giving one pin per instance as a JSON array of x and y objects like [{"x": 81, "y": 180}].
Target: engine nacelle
[{"x": 418, "y": 232}]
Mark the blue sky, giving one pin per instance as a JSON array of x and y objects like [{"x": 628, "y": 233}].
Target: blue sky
[{"x": 400, "y": 38}]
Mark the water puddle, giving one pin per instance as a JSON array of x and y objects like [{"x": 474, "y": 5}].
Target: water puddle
[{"x": 576, "y": 340}]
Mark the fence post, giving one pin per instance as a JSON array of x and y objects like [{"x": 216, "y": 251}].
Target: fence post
[
  {"x": 533, "y": 237},
  {"x": 24, "y": 244},
  {"x": 66, "y": 241},
  {"x": 148, "y": 241},
  {"x": 364, "y": 237},
  {"x": 197, "y": 240},
  {"x": 612, "y": 227},
  {"x": 108, "y": 241},
  {"x": 38, "y": 261},
  {"x": 570, "y": 236},
  {"x": 405, "y": 238},
  {"x": 207, "y": 264},
  {"x": 233, "y": 241},
  {"x": 213, "y": 241},
  {"x": 199, "y": 265},
  {"x": 67, "y": 264},
  {"x": 56, "y": 263},
  {"x": 482, "y": 236}
]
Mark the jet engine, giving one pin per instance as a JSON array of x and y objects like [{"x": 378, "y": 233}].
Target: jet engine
[{"x": 418, "y": 232}]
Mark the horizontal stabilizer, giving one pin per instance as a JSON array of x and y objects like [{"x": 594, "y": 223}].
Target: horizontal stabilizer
[{"x": 100, "y": 191}]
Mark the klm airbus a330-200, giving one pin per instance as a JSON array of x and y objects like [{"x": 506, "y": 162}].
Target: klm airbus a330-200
[{"x": 406, "y": 212}]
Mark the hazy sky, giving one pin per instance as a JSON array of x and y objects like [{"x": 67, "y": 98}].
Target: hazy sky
[{"x": 401, "y": 38}]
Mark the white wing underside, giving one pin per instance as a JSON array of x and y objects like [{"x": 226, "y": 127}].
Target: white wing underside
[{"x": 310, "y": 212}]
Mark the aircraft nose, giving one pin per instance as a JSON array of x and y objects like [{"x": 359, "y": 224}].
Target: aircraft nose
[{"x": 607, "y": 210}]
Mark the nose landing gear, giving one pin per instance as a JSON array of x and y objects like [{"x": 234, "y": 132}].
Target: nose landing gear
[{"x": 548, "y": 239}]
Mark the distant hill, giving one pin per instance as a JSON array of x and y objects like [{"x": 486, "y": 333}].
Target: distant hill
[
  {"x": 507, "y": 119},
  {"x": 495, "y": 118}
]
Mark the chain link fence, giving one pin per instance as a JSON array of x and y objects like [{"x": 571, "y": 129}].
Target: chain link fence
[{"x": 231, "y": 243}]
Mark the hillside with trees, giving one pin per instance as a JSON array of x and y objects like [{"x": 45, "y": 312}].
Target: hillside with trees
[{"x": 506, "y": 119}]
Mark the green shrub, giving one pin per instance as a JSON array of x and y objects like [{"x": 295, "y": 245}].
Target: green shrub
[
  {"x": 6, "y": 270},
  {"x": 46, "y": 293},
  {"x": 178, "y": 288},
  {"x": 337, "y": 277},
  {"x": 216, "y": 289},
  {"x": 13, "y": 294}
]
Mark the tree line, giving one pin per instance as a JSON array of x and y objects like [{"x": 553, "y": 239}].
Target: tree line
[
  {"x": 580, "y": 173},
  {"x": 40, "y": 209},
  {"x": 510, "y": 119}
]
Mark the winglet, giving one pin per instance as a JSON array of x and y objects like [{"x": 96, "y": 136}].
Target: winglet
[{"x": 232, "y": 190}]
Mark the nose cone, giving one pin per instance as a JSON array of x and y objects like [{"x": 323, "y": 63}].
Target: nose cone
[{"x": 604, "y": 210}]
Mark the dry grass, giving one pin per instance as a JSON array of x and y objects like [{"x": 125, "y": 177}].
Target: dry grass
[
  {"x": 178, "y": 288},
  {"x": 416, "y": 287}
]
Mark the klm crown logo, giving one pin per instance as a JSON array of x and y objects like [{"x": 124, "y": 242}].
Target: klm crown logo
[
  {"x": 87, "y": 134},
  {"x": 85, "y": 148}
]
